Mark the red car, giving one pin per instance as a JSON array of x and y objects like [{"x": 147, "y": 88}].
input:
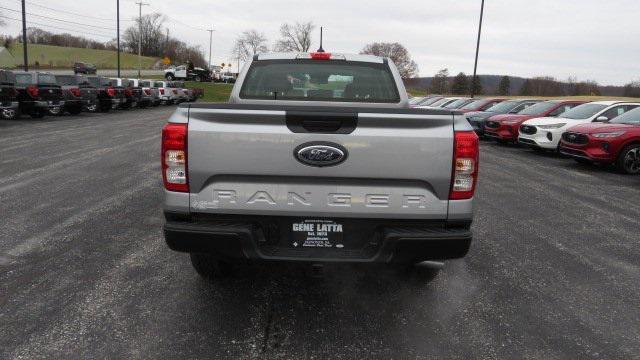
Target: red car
[
  {"x": 505, "y": 127},
  {"x": 480, "y": 105},
  {"x": 615, "y": 142}
]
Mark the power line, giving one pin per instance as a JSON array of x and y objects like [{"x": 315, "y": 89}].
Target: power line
[
  {"x": 69, "y": 12},
  {"x": 187, "y": 25},
  {"x": 60, "y": 28},
  {"x": 54, "y": 19}
]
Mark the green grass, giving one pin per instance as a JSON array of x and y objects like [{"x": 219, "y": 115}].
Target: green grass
[
  {"x": 213, "y": 92},
  {"x": 63, "y": 57}
]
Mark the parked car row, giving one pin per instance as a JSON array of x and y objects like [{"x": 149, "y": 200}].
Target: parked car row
[
  {"x": 38, "y": 94},
  {"x": 602, "y": 132}
]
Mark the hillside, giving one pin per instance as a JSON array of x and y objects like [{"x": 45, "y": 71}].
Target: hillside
[{"x": 63, "y": 57}]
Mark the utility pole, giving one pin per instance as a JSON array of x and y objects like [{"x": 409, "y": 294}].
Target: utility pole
[
  {"x": 118, "y": 34},
  {"x": 210, "y": 42},
  {"x": 475, "y": 65},
  {"x": 140, "y": 4},
  {"x": 24, "y": 36}
]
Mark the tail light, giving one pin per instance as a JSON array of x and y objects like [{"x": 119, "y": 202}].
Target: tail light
[
  {"x": 174, "y": 157},
  {"x": 75, "y": 92},
  {"x": 175, "y": 91},
  {"x": 33, "y": 91},
  {"x": 465, "y": 165},
  {"x": 161, "y": 91},
  {"x": 147, "y": 91},
  {"x": 111, "y": 92},
  {"x": 128, "y": 92}
]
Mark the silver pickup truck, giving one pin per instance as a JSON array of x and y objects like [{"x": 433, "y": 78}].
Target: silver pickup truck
[{"x": 317, "y": 158}]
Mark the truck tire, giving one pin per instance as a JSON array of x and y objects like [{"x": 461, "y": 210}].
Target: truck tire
[
  {"x": 169, "y": 77},
  {"x": 198, "y": 78},
  {"x": 628, "y": 161},
  {"x": 209, "y": 267}
]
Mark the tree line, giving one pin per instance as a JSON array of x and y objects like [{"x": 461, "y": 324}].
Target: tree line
[{"x": 461, "y": 84}]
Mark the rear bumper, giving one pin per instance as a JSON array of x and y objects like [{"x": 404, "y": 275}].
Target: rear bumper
[
  {"x": 12, "y": 105},
  {"x": 366, "y": 240}
]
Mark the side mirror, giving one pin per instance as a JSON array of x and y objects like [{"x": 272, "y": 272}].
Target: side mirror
[{"x": 601, "y": 119}]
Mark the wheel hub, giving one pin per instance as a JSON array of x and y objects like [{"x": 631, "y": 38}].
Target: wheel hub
[{"x": 632, "y": 161}]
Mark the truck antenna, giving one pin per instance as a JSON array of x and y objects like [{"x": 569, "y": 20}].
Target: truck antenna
[{"x": 320, "y": 49}]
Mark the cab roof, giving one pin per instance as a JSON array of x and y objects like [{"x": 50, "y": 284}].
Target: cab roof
[{"x": 309, "y": 55}]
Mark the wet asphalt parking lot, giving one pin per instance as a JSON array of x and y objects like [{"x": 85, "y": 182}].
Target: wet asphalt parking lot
[{"x": 553, "y": 273}]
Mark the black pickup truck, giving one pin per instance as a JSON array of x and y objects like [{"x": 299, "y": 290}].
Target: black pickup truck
[
  {"x": 38, "y": 94},
  {"x": 109, "y": 96},
  {"x": 79, "y": 95},
  {"x": 8, "y": 95},
  {"x": 132, "y": 94}
]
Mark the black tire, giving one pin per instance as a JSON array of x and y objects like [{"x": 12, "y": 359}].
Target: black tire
[
  {"x": 210, "y": 267},
  {"x": 169, "y": 77},
  {"x": 628, "y": 161},
  {"x": 198, "y": 78}
]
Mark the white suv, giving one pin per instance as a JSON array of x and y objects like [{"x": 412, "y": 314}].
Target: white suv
[{"x": 545, "y": 133}]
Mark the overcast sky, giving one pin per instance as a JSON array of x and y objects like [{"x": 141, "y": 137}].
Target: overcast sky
[{"x": 589, "y": 39}]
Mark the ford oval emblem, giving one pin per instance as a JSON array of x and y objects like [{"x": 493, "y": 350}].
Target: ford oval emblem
[{"x": 320, "y": 154}]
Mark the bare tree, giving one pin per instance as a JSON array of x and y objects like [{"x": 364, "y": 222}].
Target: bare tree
[
  {"x": 295, "y": 38},
  {"x": 396, "y": 52},
  {"x": 251, "y": 42},
  {"x": 152, "y": 35}
]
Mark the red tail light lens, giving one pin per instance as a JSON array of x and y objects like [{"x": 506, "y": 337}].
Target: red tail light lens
[
  {"x": 321, "y": 56},
  {"x": 175, "y": 91},
  {"x": 75, "y": 92},
  {"x": 161, "y": 91},
  {"x": 466, "y": 150},
  {"x": 174, "y": 157},
  {"x": 147, "y": 91},
  {"x": 128, "y": 92},
  {"x": 33, "y": 91},
  {"x": 111, "y": 92}
]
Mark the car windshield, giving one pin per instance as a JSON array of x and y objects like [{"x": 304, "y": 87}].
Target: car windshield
[
  {"x": 46, "y": 79},
  {"x": 539, "y": 108},
  {"x": 66, "y": 80},
  {"x": 429, "y": 102},
  {"x": 504, "y": 107},
  {"x": 631, "y": 117},
  {"x": 583, "y": 111},
  {"x": 474, "y": 104},
  {"x": 456, "y": 104},
  {"x": 314, "y": 80}
]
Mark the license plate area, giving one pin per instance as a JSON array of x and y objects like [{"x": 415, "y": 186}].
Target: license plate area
[{"x": 317, "y": 234}]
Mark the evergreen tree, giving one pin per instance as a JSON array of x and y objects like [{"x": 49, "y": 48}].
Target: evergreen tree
[
  {"x": 476, "y": 86},
  {"x": 504, "y": 88},
  {"x": 460, "y": 84}
]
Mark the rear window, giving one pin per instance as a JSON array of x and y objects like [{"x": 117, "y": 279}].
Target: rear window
[
  {"x": 158, "y": 84},
  {"x": 66, "y": 80},
  {"x": 538, "y": 108},
  {"x": 23, "y": 79},
  {"x": 47, "y": 79},
  {"x": 145, "y": 83},
  {"x": 316, "y": 80}
]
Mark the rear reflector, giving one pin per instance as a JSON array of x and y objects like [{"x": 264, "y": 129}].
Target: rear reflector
[
  {"x": 111, "y": 92},
  {"x": 465, "y": 165},
  {"x": 174, "y": 157},
  {"x": 33, "y": 91}
]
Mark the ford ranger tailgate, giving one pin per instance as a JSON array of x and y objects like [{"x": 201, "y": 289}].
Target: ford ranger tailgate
[{"x": 244, "y": 159}]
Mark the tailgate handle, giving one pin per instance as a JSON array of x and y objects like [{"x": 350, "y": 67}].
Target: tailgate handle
[{"x": 321, "y": 122}]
